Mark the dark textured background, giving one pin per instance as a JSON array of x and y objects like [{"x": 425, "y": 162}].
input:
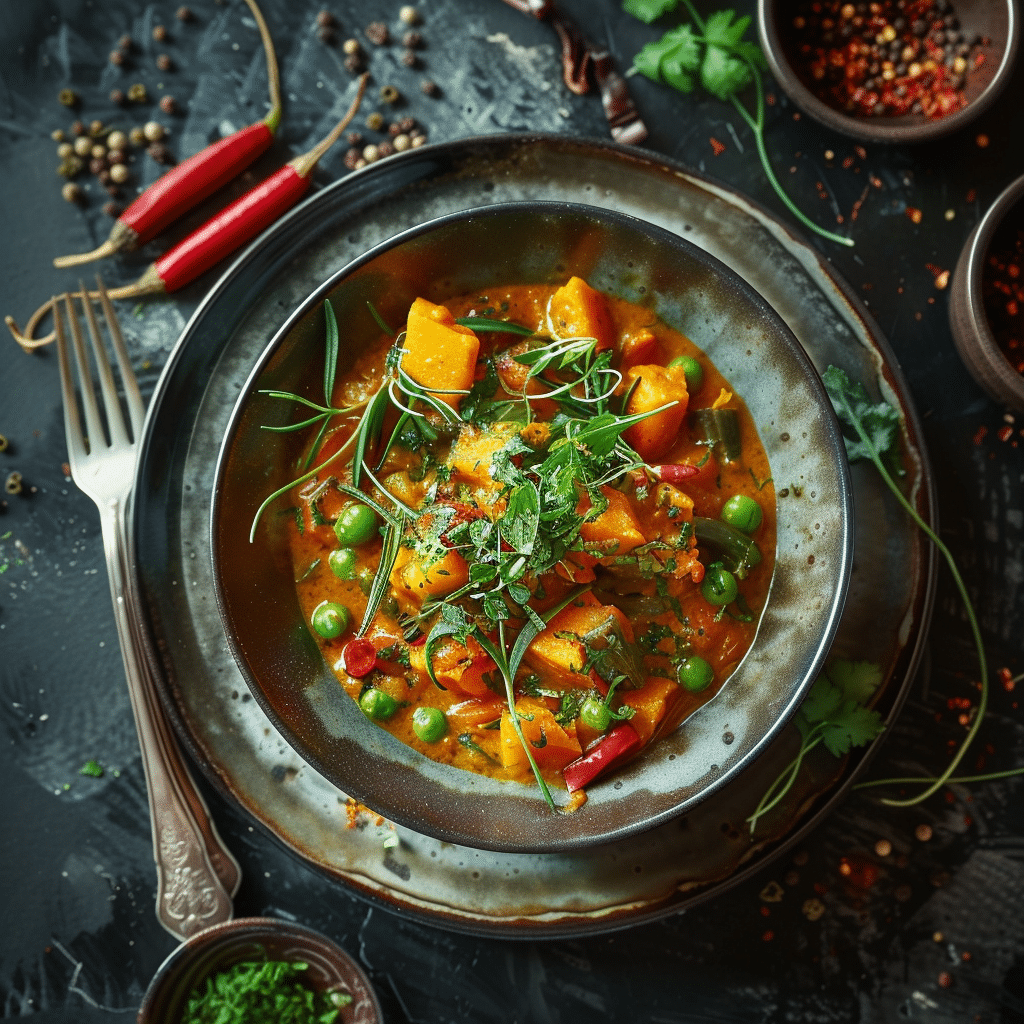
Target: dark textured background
[{"x": 79, "y": 940}]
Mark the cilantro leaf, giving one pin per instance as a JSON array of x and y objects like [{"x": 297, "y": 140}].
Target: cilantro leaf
[
  {"x": 674, "y": 59},
  {"x": 648, "y": 10},
  {"x": 853, "y": 726},
  {"x": 875, "y": 427},
  {"x": 857, "y": 679}
]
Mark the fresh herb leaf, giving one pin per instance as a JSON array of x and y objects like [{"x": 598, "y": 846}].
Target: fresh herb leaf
[{"x": 725, "y": 63}]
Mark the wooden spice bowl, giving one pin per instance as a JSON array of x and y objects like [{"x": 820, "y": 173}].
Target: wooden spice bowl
[
  {"x": 969, "y": 321},
  {"x": 990, "y": 28},
  {"x": 224, "y": 945}
]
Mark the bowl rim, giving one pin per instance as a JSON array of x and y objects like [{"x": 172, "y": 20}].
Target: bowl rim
[
  {"x": 837, "y": 595},
  {"x": 253, "y": 930},
  {"x": 880, "y": 130},
  {"x": 970, "y": 271}
]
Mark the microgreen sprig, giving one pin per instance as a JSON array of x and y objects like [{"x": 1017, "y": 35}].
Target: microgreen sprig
[{"x": 724, "y": 63}]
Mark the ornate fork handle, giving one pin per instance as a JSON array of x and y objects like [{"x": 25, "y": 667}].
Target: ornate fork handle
[{"x": 196, "y": 874}]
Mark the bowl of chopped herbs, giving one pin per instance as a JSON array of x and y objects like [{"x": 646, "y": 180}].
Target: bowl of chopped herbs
[
  {"x": 532, "y": 527},
  {"x": 255, "y": 970},
  {"x": 896, "y": 71}
]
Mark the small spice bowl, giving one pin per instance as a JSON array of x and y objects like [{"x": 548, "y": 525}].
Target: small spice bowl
[
  {"x": 989, "y": 264},
  {"x": 223, "y": 946},
  {"x": 891, "y": 93}
]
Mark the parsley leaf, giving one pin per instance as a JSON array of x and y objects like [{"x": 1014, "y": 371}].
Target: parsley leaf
[{"x": 714, "y": 52}]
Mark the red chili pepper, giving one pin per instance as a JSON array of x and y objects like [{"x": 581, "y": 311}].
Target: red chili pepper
[
  {"x": 191, "y": 181},
  {"x": 615, "y": 747},
  {"x": 359, "y": 657},
  {"x": 675, "y": 473},
  {"x": 235, "y": 225}
]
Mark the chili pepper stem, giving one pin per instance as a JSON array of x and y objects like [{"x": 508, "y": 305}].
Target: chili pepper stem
[
  {"x": 148, "y": 284},
  {"x": 305, "y": 163},
  {"x": 273, "y": 118},
  {"x": 121, "y": 237}
]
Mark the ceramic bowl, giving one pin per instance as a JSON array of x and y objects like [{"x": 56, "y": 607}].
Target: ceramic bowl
[
  {"x": 223, "y": 946},
  {"x": 995, "y": 24},
  {"x": 968, "y": 319},
  {"x": 748, "y": 342}
]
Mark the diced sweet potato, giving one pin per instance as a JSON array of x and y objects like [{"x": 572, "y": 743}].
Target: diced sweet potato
[
  {"x": 463, "y": 669},
  {"x": 578, "y": 311},
  {"x": 652, "y": 702},
  {"x": 560, "y": 659},
  {"x": 471, "y": 455},
  {"x": 440, "y": 355},
  {"x": 414, "y": 579},
  {"x": 658, "y": 386},
  {"x": 552, "y": 746},
  {"x": 640, "y": 347},
  {"x": 617, "y": 523}
]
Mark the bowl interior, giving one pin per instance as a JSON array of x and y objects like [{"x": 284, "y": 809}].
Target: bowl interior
[
  {"x": 222, "y": 946},
  {"x": 751, "y": 346},
  {"x": 994, "y": 24}
]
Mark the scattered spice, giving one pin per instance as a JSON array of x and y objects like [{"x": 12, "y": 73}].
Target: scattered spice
[
  {"x": 13, "y": 484},
  {"x": 168, "y": 104},
  {"x": 137, "y": 93},
  {"x": 68, "y": 98},
  {"x": 93, "y": 768},
  {"x": 813, "y": 909},
  {"x": 389, "y": 94},
  {"x": 164, "y": 62},
  {"x": 408, "y": 15},
  {"x": 184, "y": 14},
  {"x": 1002, "y": 288},
  {"x": 891, "y": 58},
  {"x": 377, "y": 32},
  {"x": 883, "y": 847},
  {"x": 718, "y": 148},
  {"x": 160, "y": 33},
  {"x": 72, "y": 193},
  {"x": 923, "y": 833}
]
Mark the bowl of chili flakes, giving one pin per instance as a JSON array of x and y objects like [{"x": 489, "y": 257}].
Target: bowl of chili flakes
[
  {"x": 898, "y": 71},
  {"x": 986, "y": 302}
]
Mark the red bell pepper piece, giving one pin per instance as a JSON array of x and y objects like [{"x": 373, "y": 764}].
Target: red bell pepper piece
[
  {"x": 615, "y": 747},
  {"x": 675, "y": 473}
]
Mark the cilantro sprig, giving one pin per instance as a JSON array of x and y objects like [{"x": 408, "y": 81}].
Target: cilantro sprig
[
  {"x": 835, "y": 713},
  {"x": 713, "y": 53}
]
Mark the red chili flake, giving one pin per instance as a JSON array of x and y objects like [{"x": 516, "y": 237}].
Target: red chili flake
[
  {"x": 359, "y": 657},
  {"x": 914, "y": 214},
  {"x": 717, "y": 147},
  {"x": 942, "y": 279},
  {"x": 765, "y": 912},
  {"x": 945, "y": 979},
  {"x": 979, "y": 436},
  {"x": 1004, "y": 433},
  {"x": 981, "y": 141},
  {"x": 768, "y": 936}
]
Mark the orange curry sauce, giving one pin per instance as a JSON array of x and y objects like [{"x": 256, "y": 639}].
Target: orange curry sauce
[{"x": 649, "y": 605}]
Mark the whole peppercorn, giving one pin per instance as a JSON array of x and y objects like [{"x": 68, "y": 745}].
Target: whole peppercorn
[
  {"x": 393, "y": 129},
  {"x": 325, "y": 20},
  {"x": 429, "y": 88},
  {"x": 67, "y": 98},
  {"x": 153, "y": 131},
  {"x": 69, "y": 167},
  {"x": 137, "y": 93},
  {"x": 370, "y": 153},
  {"x": 98, "y": 152},
  {"x": 117, "y": 57},
  {"x": 57, "y": 135},
  {"x": 412, "y": 40},
  {"x": 377, "y": 32},
  {"x": 159, "y": 152},
  {"x": 119, "y": 173},
  {"x": 385, "y": 148},
  {"x": 64, "y": 150},
  {"x": 184, "y": 14},
  {"x": 125, "y": 42},
  {"x": 351, "y": 46},
  {"x": 168, "y": 105},
  {"x": 77, "y": 128},
  {"x": 72, "y": 193},
  {"x": 409, "y": 15},
  {"x": 97, "y": 165},
  {"x": 96, "y": 128},
  {"x": 352, "y": 157},
  {"x": 104, "y": 177},
  {"x": 116, "y": 156},
  {"x": 406, "y": 124},
  {"x": 409, "y": 59},
  {"x": 353, "y": 63},
  {"x": 389, "y": 94},
  {"x": 400, "y": 142},
  {"x": 375, "y": 121},
  {"x": 160, "y": 33},
  {"x": 164, "y": 63},
  {"x": 117, "y": 97},
  {"x": 117, "y": 140},
  {"x": 83, "y": 146},
  {"x": 112, "y": 209},
  {"x": 13, "y": 484},
  {"x": 354, "y": 138},
  {"x": 137, "y": 136}
]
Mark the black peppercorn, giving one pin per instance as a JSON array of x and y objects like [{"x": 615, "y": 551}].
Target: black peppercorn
[
  {"x": 325, "y": 20},
  {"x": 377, "y": 32},
  {"x": 184, "y": 14},
  {"x": 117, "y": 97},
  {"x": 164, "y": 63},
  {"x": 159, "y": 152},
  {"x": 429, "y": 88},
  {"x": 168, "y": 104},
  {"x": 409, "y": 59},
  {"x": 117, "y": 57},
  {"x": 354, "y": 138},
  {"x": 160, "y": 33},
  {"x": 353, "y": 63}
]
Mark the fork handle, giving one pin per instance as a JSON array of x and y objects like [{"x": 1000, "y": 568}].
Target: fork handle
[{"x": 191, "y": 894}]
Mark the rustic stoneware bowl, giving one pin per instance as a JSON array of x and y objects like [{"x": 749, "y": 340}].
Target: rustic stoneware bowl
[
  {"x": 972, "y": 331},
  {"x": 690, "y": 290},
  {"x": 224, "y": 945},
  {"x": 995, "y": 22}
]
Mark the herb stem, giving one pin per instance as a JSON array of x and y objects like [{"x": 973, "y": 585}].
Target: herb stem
[
  {"x": 785, "y": 779},
  {"x": 972, "y": 619}
]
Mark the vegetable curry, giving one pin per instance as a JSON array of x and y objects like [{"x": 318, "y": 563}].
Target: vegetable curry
[{"x": 538, "y": 535}]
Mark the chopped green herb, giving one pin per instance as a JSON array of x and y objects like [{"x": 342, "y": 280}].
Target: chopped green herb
[{"x": 93, "y": 768}]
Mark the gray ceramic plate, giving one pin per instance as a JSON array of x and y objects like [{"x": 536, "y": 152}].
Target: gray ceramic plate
[
  {"x": 231, "y": 738},
  {"x": 686, "y": 288}
]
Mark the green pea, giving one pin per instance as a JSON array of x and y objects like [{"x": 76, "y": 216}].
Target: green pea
[
  {"x": 430, "y": 724},
  {"x": 694, "y": 674},
  {"x": 719, "y": 586},
  {"x": 742, "y": 512},
  {"x": 595, "y": 714},
  {"x": 377, "y": 704},
  {"x": 356, "y": 524},
  {"x": 330, "y": 619},
  {"x": 344, "y": 563},
  {"x": 693, "y": 370}
]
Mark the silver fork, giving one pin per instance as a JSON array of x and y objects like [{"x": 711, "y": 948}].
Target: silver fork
[{"x": 196, "y": 874}]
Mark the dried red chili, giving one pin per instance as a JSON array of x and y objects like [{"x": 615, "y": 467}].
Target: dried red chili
[
  {"x": 1002, "y": 287},
  {"x": 886, "y": 58}
]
